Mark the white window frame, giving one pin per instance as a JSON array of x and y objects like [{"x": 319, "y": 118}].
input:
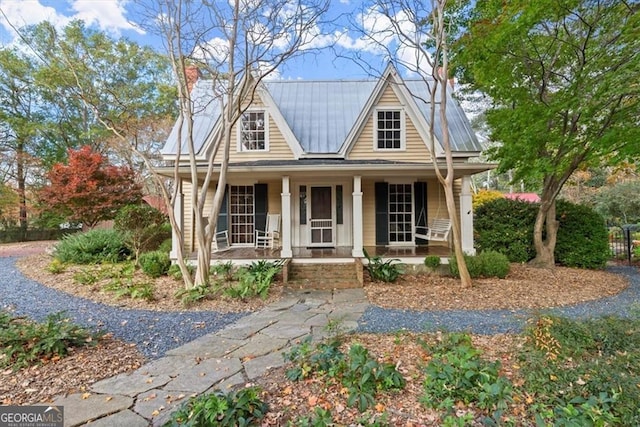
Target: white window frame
[
  {"x": 234, "y": 218},
  {"x": 241, "y": 148},
  {"x": 402, "y": 129},
  {"x": 411, "y": 212}
]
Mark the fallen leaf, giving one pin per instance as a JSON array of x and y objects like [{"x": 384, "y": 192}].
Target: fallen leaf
[
  {"x": 86, "y": 396},
  {"x": 108, "y": 398},
  {"x": 312, "y": 400}
]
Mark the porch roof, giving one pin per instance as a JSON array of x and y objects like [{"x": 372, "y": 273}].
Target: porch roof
[{"x": 337, "y": 167}]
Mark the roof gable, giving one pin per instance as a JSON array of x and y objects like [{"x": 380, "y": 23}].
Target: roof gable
[{"x": 324, "y": 118}]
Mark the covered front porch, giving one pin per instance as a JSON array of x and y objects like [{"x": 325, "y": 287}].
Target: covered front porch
[{"x": 406, "y": 255}]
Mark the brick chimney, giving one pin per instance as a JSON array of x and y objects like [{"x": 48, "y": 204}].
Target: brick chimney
[{"x": 191, "y": 74}]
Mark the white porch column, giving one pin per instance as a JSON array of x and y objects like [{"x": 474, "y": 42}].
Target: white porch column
[
  {"x": 357, "y": 250},
  {"x": 286, "y": 219},
  {"x": 466, "y": 216},
  {"x": 178, "y": 212}
]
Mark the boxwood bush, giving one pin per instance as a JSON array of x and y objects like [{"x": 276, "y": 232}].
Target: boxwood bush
[
  {"x": 92, "y": 247},
  {"x": 485, "y": 264},
  {"x": 506, "y": 226},
  {"x": 582, "y": 237},
  {"x": 155, "y": 263}
]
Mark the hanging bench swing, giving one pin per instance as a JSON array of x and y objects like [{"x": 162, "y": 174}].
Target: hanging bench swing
[{"x": 438, "y": 230}]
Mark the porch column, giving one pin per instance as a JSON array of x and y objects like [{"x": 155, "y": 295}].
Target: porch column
[
  {"x": 357, "y": 251},
  {"x": 178, "y": 212},
  {"x": 286, "y": 219},
  {"x": 466, "y": 216}
]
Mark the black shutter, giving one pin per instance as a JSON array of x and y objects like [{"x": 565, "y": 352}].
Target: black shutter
[
  {"x": 382, "y": 213},
  {"x": 261, "y": 206},
  {"x": 420, "y": 207},
  {"x": 223, "y": 216}
]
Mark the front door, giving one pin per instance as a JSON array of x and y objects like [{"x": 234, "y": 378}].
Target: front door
[{"x": 321, "y": 218}]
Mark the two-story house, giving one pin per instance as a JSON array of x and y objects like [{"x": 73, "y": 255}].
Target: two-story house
[{"x": 345, "y": 165}]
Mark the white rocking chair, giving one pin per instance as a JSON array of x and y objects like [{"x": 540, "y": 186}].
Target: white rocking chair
[{"x": 269, "y": 238}]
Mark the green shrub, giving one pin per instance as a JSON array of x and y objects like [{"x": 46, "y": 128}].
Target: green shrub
[
  {"x": 143, "y": 227},
  {"x": 92, "y": 247},
  {"x": 155, "y": 264},
  {"x": 583, "y": 240},
  {"x": 473, "y": 265},
  {"x": 506, "y": 226},
  {"x": 432, "y": 262},
  {"x": 385, "y": 271},
  {"x": 25, "y": 343},
  {"x": 166, "y": 245},
  {"x": 242, "y": 408},
  {"x": 494, "y": 264},
  {"x": 485, "y": 264}
]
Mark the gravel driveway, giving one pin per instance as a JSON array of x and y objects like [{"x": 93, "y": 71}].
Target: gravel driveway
[{"x": 154, "y": 332}]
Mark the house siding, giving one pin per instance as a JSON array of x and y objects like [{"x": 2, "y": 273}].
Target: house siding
[
  {"x": 278, "y": 147},
  {"x": 369, "y": 212},
  {"x": 415, "y": 149}
]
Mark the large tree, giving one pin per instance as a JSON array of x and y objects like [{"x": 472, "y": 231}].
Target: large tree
[
  {"x": 59, "y": 87},
  {"x": 20, "y": 123},
  {"x": 87, "y": 189},
  {"x": 235, "y": 45},
  {"x": 563, "y": 76}
]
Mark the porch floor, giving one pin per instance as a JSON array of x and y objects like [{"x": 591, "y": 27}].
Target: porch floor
[{"x": 250, "y": 253}]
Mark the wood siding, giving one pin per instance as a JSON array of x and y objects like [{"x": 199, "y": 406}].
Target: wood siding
[
  {"x": 364, "y": 147},
  {"x": 278, "y": 147}
]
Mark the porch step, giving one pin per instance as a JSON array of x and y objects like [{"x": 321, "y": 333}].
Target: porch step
[{"x": 324, "y": 276}]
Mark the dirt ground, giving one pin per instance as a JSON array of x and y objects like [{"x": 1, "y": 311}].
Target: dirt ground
[{"x": 524, "y": 287}]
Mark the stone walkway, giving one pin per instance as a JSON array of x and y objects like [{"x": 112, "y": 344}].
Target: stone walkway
[{"x": 235, "y": 355}]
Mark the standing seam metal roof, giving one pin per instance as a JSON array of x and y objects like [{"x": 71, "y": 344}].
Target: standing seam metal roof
[{"x": 322, "y": 113}]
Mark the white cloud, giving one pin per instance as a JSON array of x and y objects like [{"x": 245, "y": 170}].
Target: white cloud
[{"x": 108, "y": 15}]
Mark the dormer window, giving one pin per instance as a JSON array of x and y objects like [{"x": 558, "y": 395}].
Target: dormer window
[
  {"x": 254, "y": 135},
  {"x": 389, "y": 129}
]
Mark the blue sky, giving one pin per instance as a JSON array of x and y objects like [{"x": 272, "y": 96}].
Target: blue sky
[{"x": 118, "y": 18}]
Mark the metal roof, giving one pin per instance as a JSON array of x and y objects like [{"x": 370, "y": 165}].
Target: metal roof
[
  {"x": 461, "y": 135},
  {"x": 321, "y": 114},
  {"x": 206, "y": 110}
]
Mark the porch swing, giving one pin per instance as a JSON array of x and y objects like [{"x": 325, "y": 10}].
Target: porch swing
[{"x": 437, "y": 231}]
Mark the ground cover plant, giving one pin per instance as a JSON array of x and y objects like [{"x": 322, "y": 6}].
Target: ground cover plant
[
  {"x": 559, "y": 372},
  {"x": 25, "y": 343}
]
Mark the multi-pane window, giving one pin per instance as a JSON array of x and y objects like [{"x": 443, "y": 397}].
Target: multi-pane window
[
  {"x": 241, "y": 203},
  {"x": 400, "y": 213},
  {"x": 389, "y": 129},
  {"x": 253, "y": 133}
]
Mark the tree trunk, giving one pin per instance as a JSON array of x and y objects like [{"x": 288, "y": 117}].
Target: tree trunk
[
  {"x": 465, "y": 277},
  {"x": 545, "y": 222},
  {"x": 22, "y": 194}
]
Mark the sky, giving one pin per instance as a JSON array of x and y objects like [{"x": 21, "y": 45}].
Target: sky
[{"x": 118, "y": 19}]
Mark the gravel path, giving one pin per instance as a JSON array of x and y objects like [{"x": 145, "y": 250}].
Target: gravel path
[
  {"x": 157, "y": 332},
  {"x": 376, "y": 319},
  {"x": 154, "y": 332}
]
